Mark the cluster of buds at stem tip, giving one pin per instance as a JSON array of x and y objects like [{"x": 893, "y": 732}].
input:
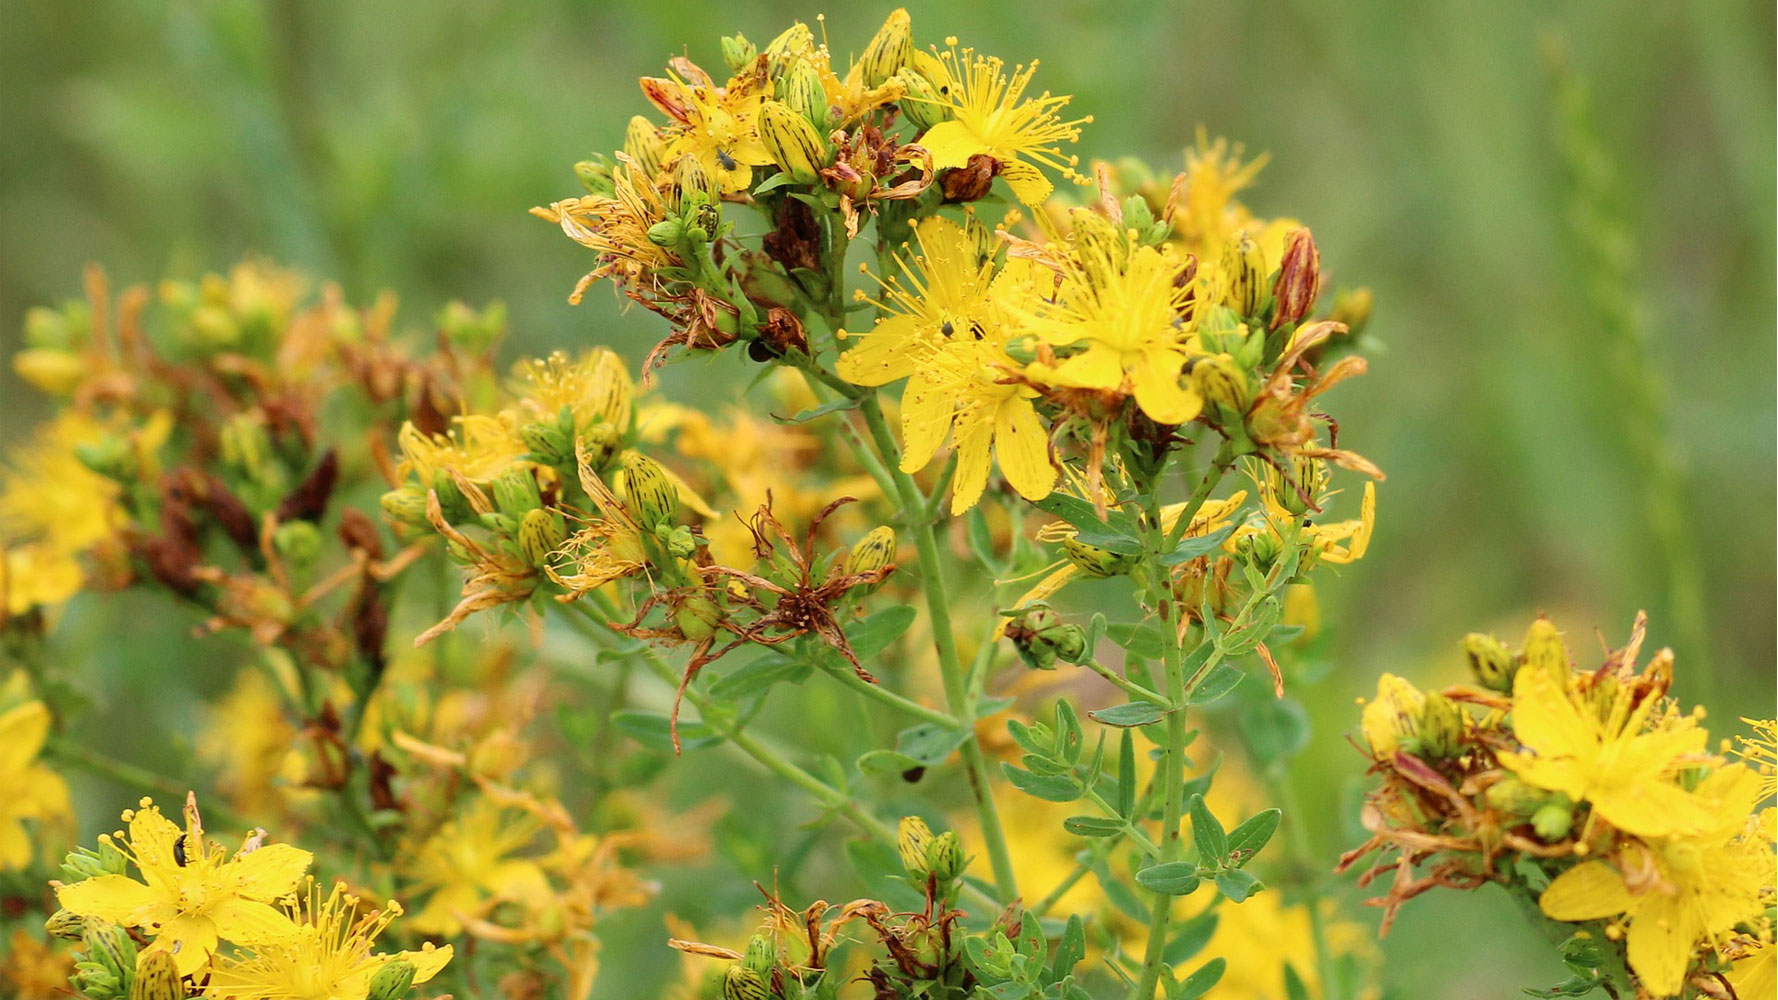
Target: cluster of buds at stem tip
[
  {"x": 1299, "y": 279},
  {"x": 107, "y": 971},
  {"x": 1042, "y": 638},
  {"x": 926, "y": 855},
  {"x": 1095, "y": 561},
  {"x": 1404, "y": 719},
  {"x": 649, "y": 494},
  {"x": 1551, "y": 814}
]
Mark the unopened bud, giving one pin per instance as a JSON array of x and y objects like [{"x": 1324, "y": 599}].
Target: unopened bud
[
  {"x": 1440, "y": 727},
  {"x": 692, "y": 185},
  {"x": 1095, "y": 561},
  {"x": 791, "y": 141},
  {"x": 451, "y": 501},
  {"x": 298, "y": 543},
  {"x": 1299, "y": 279},
  {"x": 650, "y": 495},
  {"x": 889, "y": 50},
  {"x": 110, "y": 456},
  {"x": 644, "y": 146},
  {"x": 1545, "y": 651},
  {"x": 406, "y": 506},
  {"x": 1515, "y": 798},
  {"x": 912, "y": 838},
  {"x": 515, "y": 492},
  {"x": 1352, "y": 308},
  {"x": 595, "y": 176},
  {"x": 920, "y": 101},
  {"x": 110, "y": 949},
  {"x": 761, "y": 954},
  {"x": 1221, "y": 381},
  {"x": 788, "y": 47},
  {"x": 157, "y": 977},
  {"x": 65, "y": 924},
  {"x": 1492, "y": 663},
  {"x": 697, "y": 618},
  {"x": 548, "y": 442},
  {"x": 944, "y": 856},
  {"x": 1244, "y": 268},
  {"x": 802, "y": 91},
  {"x": 1069, "y": 642},
  {"x": 392, "y": 980},
  {"x": 1553, "y": 820},
  {"x": 873, "y": 552},
  {"x": 541, "y": 532},
  {"x": 666, "y": 233},
  {"x": 1390, "y": 721},
  {"x": 738, "y": 52},
  {"x": 742, "y": 983}
]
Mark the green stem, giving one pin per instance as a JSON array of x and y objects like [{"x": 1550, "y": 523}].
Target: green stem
[
  {"x": 957, "y": 697},
  {"x": 135, "y": 777},
  {"x": 849, "y": 677},
  {"x": 1128, "y": 686}
]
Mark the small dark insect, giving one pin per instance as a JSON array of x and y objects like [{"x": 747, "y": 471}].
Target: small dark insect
[
  {"x": 179, "y": 851},
  {"x": 947, "y": 329},
  {"x": 913, "y": 774},
  {"x": 761, "y": 351},
  {"x": 727, "y": 161}
]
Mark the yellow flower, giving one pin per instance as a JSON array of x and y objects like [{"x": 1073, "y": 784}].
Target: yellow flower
[
  {"x": 1393, "y": 716},
  {"x": 1760, "y": 751},
  {"x": 958, "y": 387},
  {"x": 597, "y": 388},
  {"x": 479, "y": 448},
  {"x": 992, "y": 116},
  {"x": 1677, "y": 894},
  {"x": 33, "y": 792},
  {"x": 36, "y": 575},
  {"x": 33, "y": 969},
  {"x": 1624, "y": 764},
  {"x": 327, "y": 956},
  {"x": 1126, "y": 311},
  {"x": 46, "y": 493},
  {"x": 615, "y": 227},
  {"x": 251, "y": 742},
  {"x": 467, "y": 867},
  {"x": 717, "y": 126},
  {"x": 193, "y": 893}
]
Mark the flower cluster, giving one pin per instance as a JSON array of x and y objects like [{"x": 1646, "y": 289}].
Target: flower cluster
[{"x": 1590, "y": 792}]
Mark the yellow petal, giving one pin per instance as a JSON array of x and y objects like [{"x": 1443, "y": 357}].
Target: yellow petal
[
  {"x": 925, "y": 420},
  {"x": 1022, "y": 449},
  {"x": 428, "y": 961},
  {"x": 975, "y": 430},
  {"x": 195, "y": 938},
  {"x": 1650, "y": 807},
  {"x": 247, "y": 922},
  {"x": 1546, "y": 721},
  {"x": 269, "y": 872},
  {"x": 1027, "y": 182},
  {"x": 1663, "y": 934},
  {"x": 1160, "y": 394},
  {"x": 22, "y": 732},
  {"x": 15, "y": 845},
  {"x": 1095, "y": 368},
  {"x": 115, "y": 898},
  {"x": 951, "y": 144},
  {"x": 1588, "y": 891},
  {"x": 883, "y": 355}
]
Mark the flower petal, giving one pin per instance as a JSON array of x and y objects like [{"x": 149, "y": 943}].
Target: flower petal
[
  {"x": 116, "y": 898},
  {"x": 926, "y": 410},
  {"x": 1663, "y": 933},
  {"x": 1022, "y": 450},
  {"x": 192, "y": 940},
  {"x": 269, "y": 872},
  {"x": 951, "y": 144},
  {"x": 1027, "y": 182},
  {"x": 975, "y": 430},
  {"x": 22, "y": 732},
  {"x": 1588, "y": 891},
  {"x": 1159, "y": 392},
  {"x": 882, "y": 355},
  {"x": 247, "y": 922},
  {"x": 428, "y": 961}
]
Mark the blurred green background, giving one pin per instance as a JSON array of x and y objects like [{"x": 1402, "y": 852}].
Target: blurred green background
[{"x": 1566, "y": 212}]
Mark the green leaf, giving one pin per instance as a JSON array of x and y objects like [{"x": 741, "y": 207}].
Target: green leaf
[
  {"x": 1221, "y": 681},
  {"x": 1116, "y": 534},
  {"x": 1144, "y": 640},
  {"x": 1296, "y": 989},
  {"x": 1238, "y": 883},
  {"x": 886, "y": 762},
  {"x": 771, "y": 183},
  {"x": 1197, "y": 545},
  {"x": 1093, "y": 826},
  {"x": 1126, "y": 774},
  {"x": 1070, "y": 948},
  {"x": 756, "y": 676},
  {"x": 876, "y": 633},
  {"x": 1172, "y": 878},
  {"x": 1207, "y": 837},
  {"x": 832, "y": 406},
  {"x": 1050, "y": 787},
  {"x": 1031, "y": 940},
  {"x": 929, "y": 743},
  {"x": 1275, "y": 729},
  {"x": 1202, "y": 981},
  {"x": 1191, "y": 938},
  {"x": 1242, "y": 641},
  {"x": 1246, "y": 840},
  {"x": 1032, "y": 739},
  {"x": 1136, "y": 713},
  {"x": 654, "y": 731},
  {"x": 1069, "y": 738}
]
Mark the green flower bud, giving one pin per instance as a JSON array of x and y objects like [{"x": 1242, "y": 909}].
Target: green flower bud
[
  {"x": 392, "y": 980},
  {"x": 680, "y": 542},
  {"x": 110, "y": 456},
  {"x": 692, "y": 185},
  {"x": 889, "y": 50},
  {"x": 406, "y": 506},
  {"x": 872, "y": 552},
  {"x": 157, "y": 977},
  {"x": 666, "y": 233},
  {"x": 791, "y": 142},
  {"x": 920, "y": 101},
  {"x": 1441, "y": 726},
  {"x": 541, "y": 532},
  {"x": 298, "y": 543},
  {"x": 738, "y": 52},
  {"x": 761, "y": 955},
  {"x": 1069, "y": 642},
  {"x": 1221, "y": 381},
  {"x": 802, "y": 91},
  {"x": 515, "y": 492},
  {"x": 912, "y": 839},
  {"x": 1515, "y": 798},
  {"x": 1493, "y": 664},
  {"x": 1244, "y": 268},
  {"x": 66, "y": 924},
  {"x": 944, "y": 856},
  {"x": 1095, "y": 561},
  {"x": 600, "y": 442},
  {"x": 111, "y": 954},
  {"x": 742, "y": 983},
  {"x": 650, "y": 495},
  {"x": 548, "y": 442},
  {"x": 451, "y": 501},
  {"x": 595, "y": 176},
  {"x": 1553, "y": 820}
]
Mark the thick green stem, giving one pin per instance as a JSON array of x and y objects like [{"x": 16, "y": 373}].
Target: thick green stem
[
  {"x": 847, "y": 676},
  {"x": 938, "y": 607}
]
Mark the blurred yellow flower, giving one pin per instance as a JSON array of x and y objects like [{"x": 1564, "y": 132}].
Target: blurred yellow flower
[
  {"x": 467, "y": 867},
  {"x": 32, "y": 791},
  {"x": 479, "y": 448}
]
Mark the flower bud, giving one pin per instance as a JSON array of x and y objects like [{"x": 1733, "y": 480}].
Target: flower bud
[
  {"x": 110, "y": 456},
  {"x": 392, "y": 980},
  {"x": 666, "y": 233},
  {"x": 644, "y": 145},
  {"x": 548, "y": 442},
  {"x": 406, "y": 506},
  {"x": 650, "y": 495},
  {"x": 680, "y": 542},
  {"x": 692, "y": 185},
  {"x": 1219, "y": 380},
  {"x": 297, "y": 543},
  {"x": 1492, "y": 663},
  {"x": 1553, "y": 820},
  {"x": 541, "y": 532},
  {"x": 515, "y": 492},
  {"x": 451, "y": 501},
  {"x": 889, "y": 50},
  {"x": 1515, "y": 798},
  {"x": 1390, "y": 720},
  {"x": 66, "y": 924},
  {"x": 595, "y": 176},
  {"x": 788, "y": 47},
  {"x": 1352, "y": 308},
  {"x": 697, "y": 618},
  {"x": 802, "y": 91},
  {"x": 738, "y": 52},
  {"x": 920, "y": 101},
  {"x": 1095, "y": 561},
  {"x": 912, "y": 838},
  {"x": 1299, "y": 279},
  {"x": 1069, "y": 642},
  {"x": 791, "y": 142},
  {"x": 51, "y": 369},
  {"x": 761, "y": 954},
  {"x": 944, "y": 856},
  {"x": 1545, "y": 651},
  {"x": 1244, "y": 267},
  {"x": 157, "y": 977},
  {"x": 742, "y": 983},
  {"x": 1440, "y": 727},
  {"x": 873, "y": 552}
]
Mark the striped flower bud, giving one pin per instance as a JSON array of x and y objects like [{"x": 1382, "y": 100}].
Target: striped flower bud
[
  {"x": 1299, "y": 279},
  {"x": 541, "y": 532},
  {"x": 548, "y": 442},
  {"x": 920, "y": 102},
  {"x": 789, "y": 46},
  {"x": 1545, "y": 651},
  {"x": 802, "y": 90},
  {"x": 1390, "y": 721},
  {"x": 595, "y": 176},
  {"x": 791, "y": 141},
  {"x": 872, "y": 552},
  {"x": 737, "y": 52},
  {"x": 1095, "y": 561},
  {"x": 692, "y": 185},
  {"x": 600, "y": 442},
  {"x": 644, "y": 145},
  {"x": 66, "y": 924},
  {"x": 742, "y": 983},
  {"x": 157, "y": 977},
  {"x": 944, "y": 856},
  {"x": 110, "y": 948},
  {"x": 451, "y": 501},
  {"x": 761, "y": 955},
  {"x": 912, "y": 838},
  {"x": 392, "y": 980},
  {"x": 650, "y": 495},
  {"x": 1244, "y": 266},
  {"x": 1492, "y": 663},
  {"x": 1440, "y": 727},
  {"x": 889, "y": 50},
  {"x": 1220, "y": 380},
  {"x": 406, "y": 506},
  {"x": 515, "y": 492}
]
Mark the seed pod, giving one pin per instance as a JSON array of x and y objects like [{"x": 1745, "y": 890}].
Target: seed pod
[
  {"x": 1515, "y": 798},
  {"x": 1492, "y": 663},
  {"x": 1245, "y": 269},
  {"x": 1069, "y": 642},
  {"x": 66, "y": 924},
  {"x": 920, "y": 102},
  {"x": 650, "y": 495},
  {"x": 889, "y": 50},
  {"x": 1299, "y": 279},
  {"x": 944, "y": 856},
  {"x": 802, "y": 91},
  {"x": 548, "y": 442},
  {"x": 644, "y": 145},
  {"x": 742, "y": 983},
  {"x": 791, "y": 141},
  {"x": 392, "y": 980},
  {"x": 872, "y": 552},
  {"x": 515, "y": 492},
  {"x": 157, "y": 977},
  {"x": 1095, "y": 561},
  {"x": 737, "y": 52},
  {"x": 1545, "y": 651},
  {"x": 912, "y": 839},
  {"x": 540, "y": 533}
]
